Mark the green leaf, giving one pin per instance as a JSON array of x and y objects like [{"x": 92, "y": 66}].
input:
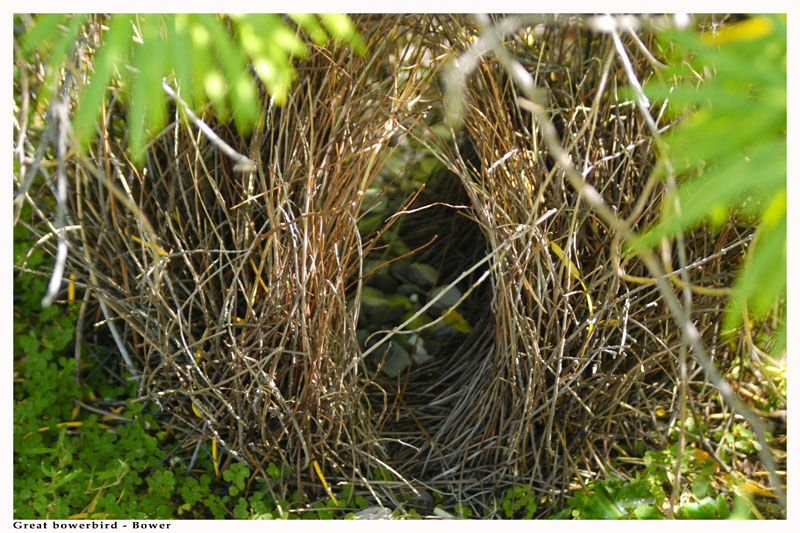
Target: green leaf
[
  {"x": 243, "y": 97},
  {"x": 113, "y": 51},
  {"x": 688, "y": 97},
  {"x": 762, "y": 175},
  {"x": 182, "y": 58},
  {"x": 701, "y": 486},
  {"x": 694, "y": 511},
  {"x": 29, "y": 343},
  {"x": 341, "y": 28},
  {"x": 507, "y": 508},
  {"x": 361, "y": 502},
  {"x": 277, "y": 32},
  {"x": 273, "y": 471},
  {"x": 722, "y": 509},
  {"x": 635, "y": 493},
  {"x": 603, "y": 504},
  {"x": 57, "y": 53},
  {"x": 731, "y": 148},
  {"x": 741, "y": 509},
  {"x": 763, "y": 278},
  {"x": 708, "y": 135},
  {"x": 311, "y": 26},
  {"x": 39, "y": 35},
  {"x": 268, "y": 43},
  {"x": 195, "y": 34},
  {"x": 462, "y": 511},
  {"x": 647, "y": 512},
  {"x": 148, "y": 103}
]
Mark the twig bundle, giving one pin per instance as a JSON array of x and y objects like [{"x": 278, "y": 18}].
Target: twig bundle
[
  {"x": 231, "y": 285},
  {"x": 585, "y": 354}
]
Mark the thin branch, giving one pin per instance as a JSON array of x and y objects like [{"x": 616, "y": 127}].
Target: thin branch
[{"x": 243, "y": 163}]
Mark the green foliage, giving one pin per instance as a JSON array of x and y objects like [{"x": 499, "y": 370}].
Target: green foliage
[
  {"x": 236, "y": 475},
  {"x": 95, "y": 470},
  {"x": 54, "y": 35},
  {"x": 462, "y": 511},
  {"x": 380, "y": 473},
  {"x": 59, "y": 471},
  {"x": 740, "y": 438},
  {"x": 349, "y": 499},
  {"x": 634, "y": 500},
  {"x": 707, "y": 493},
  {"x": 207, "y": 54},
  {"x": 519, "y": 502},
  {"x": 730, "y": 148}
]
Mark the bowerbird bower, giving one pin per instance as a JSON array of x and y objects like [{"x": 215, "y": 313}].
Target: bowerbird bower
[{"x": 384, "y": 292}]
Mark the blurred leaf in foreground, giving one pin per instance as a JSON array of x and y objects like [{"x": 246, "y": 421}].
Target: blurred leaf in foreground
[
  {"x": 208, "y": 55},
  {"x": 730, "y": 150}
]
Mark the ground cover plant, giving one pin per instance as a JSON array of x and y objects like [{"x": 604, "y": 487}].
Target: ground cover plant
[{"x": 396, "y": 286}]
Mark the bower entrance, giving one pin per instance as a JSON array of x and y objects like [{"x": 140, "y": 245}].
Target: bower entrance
[{"x": 421, "y": 273}]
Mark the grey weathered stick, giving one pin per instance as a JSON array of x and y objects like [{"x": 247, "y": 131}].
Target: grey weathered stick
[
  {"x": 243, "y": 163},
  {"x": 61, "y": 206}
]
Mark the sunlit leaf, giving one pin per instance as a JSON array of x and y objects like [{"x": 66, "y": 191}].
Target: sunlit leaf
[
  {"x": 707, "y": 135},
  {"x": 147, "y": 96},
  {"x": 763, "y": 278},
  {"x": 647, "y": 512},
  {"x": 731, "y": 149},
  {"x": 44, "y": 29},
  {"x": 208, "y": 55},
  {"x": 182, "y": 58},
  {"x": 687, "y": 96},
  {"x": 277, "y": 32},
  {"x": 732, "y": 180},
  {"x": 603, "y": 505},
  {"x": 234, "y": 65},
  {"x": 58, "y": 54},
  {"x": 200, "y": 50},
  {"x": 111, "y": 54},
  {"x": 137, "y": 116},
  {"x": 309, "y": 24},
  {"x": 340, "y": 26},
  {"x": 245, "y": 99},
  {"x": 215, "y": 87}
]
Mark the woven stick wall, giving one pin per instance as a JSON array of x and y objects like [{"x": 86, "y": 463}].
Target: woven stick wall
[
  {"x": 584, "y": 352},
  {"x": 231, "y": 285}
]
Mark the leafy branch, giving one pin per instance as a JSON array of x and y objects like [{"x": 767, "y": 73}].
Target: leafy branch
[
  {"x": 208, "y": 55},
  {"x": 731, "y": 150}
]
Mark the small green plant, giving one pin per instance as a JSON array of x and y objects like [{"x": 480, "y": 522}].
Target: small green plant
[
  {"x": 67, "y": 461},
  {"x": 462, "y": 511},
  {"x": 634, "y": 499},
  {"x": 708, "y": 494},
  {"x": 236, "y": 475},
  {"x": 380, "y": 473},
  {"x": 519, "y": 502}
]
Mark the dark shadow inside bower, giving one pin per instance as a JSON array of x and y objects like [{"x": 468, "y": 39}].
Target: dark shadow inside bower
[{"x": 438, "y": 227}]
